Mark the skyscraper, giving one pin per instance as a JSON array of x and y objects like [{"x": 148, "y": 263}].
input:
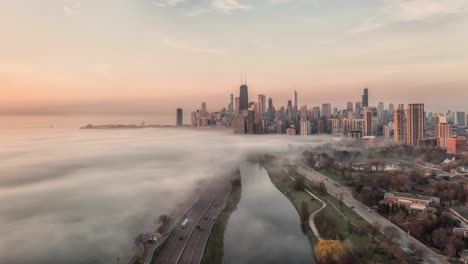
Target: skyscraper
[
  {"x": 414, "y": 124},
  {"x": 295, "y": 107},
  {"x": 460, "y": 118},
  {"x": 270, "y": 111},
  {"x": 326, "y": 110},
  {"x": 179, "y": 117},
  {"x": 260, "y": 106},
  {"x": 444, "y": 131},
  {"x": 237, "y": 106},
  {"x": 243, "y": 96},
  {"x": 349, "y": 106},
  {"x": 365, "y": 98},
  {"x": 250, "y": 122},
  {"x": 399, "y": 125},
  {"x": 305, "y": 127},
  {"x": 368, "y": 124},
  {"x": 231, "y": 105},
  {"x": 303, "y": 114},
  {"x": 289, "y": 111},
  {"x": 316, "y": 112},
  {"x": 203, "y": 110}
]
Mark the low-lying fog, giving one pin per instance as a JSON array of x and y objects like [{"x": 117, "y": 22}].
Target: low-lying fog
[{"x": 80, "y": 196}]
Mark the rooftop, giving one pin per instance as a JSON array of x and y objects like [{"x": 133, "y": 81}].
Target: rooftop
[
  {"x": 408, "y": 195},
  {"x": 461, "y": 210}
]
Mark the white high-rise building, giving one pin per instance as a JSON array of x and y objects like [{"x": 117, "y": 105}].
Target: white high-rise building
[{"x": 305, "y": 127}]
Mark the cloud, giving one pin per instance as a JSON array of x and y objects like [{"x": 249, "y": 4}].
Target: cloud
[
  {"x": 315, "y": 3},
  {"x": 405, "y": 11},
  {"x": 228, "y": 6},
  {"x": 190, "y": 47},
  {"x": 71, "y": 7},
  {"x": 197, "y": 12},
  {"x": 168, "y": 3}
]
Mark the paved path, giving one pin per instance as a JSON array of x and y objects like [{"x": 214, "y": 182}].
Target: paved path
[
  {"x": 312, "y": 216},
  {"x": 335, "y": 189},
  {"x": 312, "y": 225}
]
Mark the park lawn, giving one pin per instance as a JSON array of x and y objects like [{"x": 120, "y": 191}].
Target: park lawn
[
  {"x": 358, "y": 238},
  {"x": 336, "y": 176}
]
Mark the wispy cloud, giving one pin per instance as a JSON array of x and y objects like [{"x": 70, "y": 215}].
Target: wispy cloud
[
  {"x": 194, "y": 8},
  {"x": 197, "y": 12},
  {"x": 228, "y": 6},
  {"x": 315, "y": 3},
  {"x": 404, "y": 11},
  {"x": 190, "y": 46},
  {"x": 71, "y": 7},
  {"x": 168, "y": 3}
]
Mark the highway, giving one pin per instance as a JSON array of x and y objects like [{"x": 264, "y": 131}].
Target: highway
[
  {"x": 187, "y": 244},
  {"x": 335, "y": 189}
]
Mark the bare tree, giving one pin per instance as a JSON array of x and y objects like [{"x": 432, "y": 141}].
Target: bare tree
[
  {"x": 164, "y": 221},
  {"x": 142, "y": 239},
  {"x": 391, "y": 233}
]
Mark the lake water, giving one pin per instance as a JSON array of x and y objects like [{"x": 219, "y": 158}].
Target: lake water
[
  {"x": 265, "y": 227},
  {"x": 80, "y": 196}
]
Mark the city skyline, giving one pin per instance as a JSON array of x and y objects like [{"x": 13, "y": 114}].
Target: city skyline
[{"x": 53, "y": 62}]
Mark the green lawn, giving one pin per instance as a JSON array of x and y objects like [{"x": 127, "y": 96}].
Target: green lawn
[{"x": 336, "y": 176}]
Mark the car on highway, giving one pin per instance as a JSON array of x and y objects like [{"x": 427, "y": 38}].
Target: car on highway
[{"x": 184, "y": 223}]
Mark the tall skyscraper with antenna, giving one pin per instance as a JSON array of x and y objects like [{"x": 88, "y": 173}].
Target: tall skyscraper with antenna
[
  {"x": 243, "y": 94},
  {"x": 295, "y": 107}
]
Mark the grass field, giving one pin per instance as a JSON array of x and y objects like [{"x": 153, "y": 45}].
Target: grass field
[{"x": 336, "y": 176}]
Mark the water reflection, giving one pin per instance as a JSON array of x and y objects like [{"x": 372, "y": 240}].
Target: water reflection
[{"x": 265, "y": 228}]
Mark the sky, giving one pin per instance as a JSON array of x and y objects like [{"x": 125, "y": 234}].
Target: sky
[{"x": 151, "y": 56}]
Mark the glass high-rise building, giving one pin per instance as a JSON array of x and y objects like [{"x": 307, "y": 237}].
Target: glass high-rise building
[
  {"x": 179, "y": 117},
  {"x": 243, "y": 96},
  {"x": 414, "y": 124},
  {"x": 365, "y": 98}
]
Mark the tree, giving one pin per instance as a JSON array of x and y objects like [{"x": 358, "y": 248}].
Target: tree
[
  {"x": 322, "y": 188},
  {"x": 391, "y": 233},
  {"x": 416, "y": 249},
  {"x": 450, "y": 250},
  {"x": 374, "y": 229},
  {"x": 164, "y": 221},
  {"x": 416, "y": 229},
  {"x": 299, "y": 184},
  {"x": 328, "y": 251},
  {"x": 142, "y": 239}
]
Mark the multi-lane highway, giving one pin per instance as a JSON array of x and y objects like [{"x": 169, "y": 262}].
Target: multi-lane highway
[
  {"x": 335, "y": 189},
  {"x": 187, "y": 243}
]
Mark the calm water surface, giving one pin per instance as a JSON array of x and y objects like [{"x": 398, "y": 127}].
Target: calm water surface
[{"x": 265, "y": 227}]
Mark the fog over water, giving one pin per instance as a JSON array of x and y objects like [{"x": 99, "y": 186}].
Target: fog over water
[{"x": 80, "y": 196}]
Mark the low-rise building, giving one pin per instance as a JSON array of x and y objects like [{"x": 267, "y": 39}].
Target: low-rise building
[
  {"x": 456, "y": 145},
  {"x": 460, "y": 213},
  {"x": 411, "y": 201},
  {"x": 291, "y": 131}
]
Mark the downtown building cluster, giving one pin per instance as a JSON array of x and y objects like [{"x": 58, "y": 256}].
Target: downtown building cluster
[{"x": 408, "y": 125}]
